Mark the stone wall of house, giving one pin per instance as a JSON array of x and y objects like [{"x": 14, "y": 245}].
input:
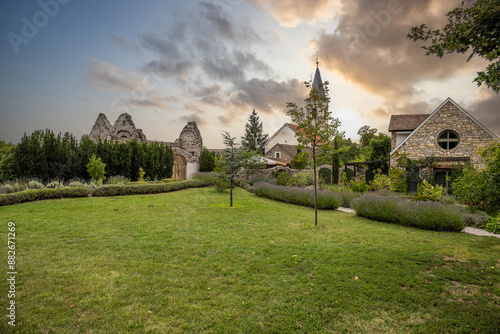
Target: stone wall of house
[
  {"x": 190, "y": 141},
  {"x": 423, "y": 143},
  {"x": 284, "y": 154}
]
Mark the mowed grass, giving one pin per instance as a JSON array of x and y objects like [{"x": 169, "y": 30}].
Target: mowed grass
[{"x": 185, "y": 262}]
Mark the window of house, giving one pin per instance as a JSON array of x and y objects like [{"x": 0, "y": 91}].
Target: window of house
[
  {"x": 277, "y": 155},
  {"x": 448, "y": 140}
]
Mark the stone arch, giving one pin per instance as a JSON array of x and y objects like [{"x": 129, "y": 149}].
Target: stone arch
[{"x": 180, "y": 167}]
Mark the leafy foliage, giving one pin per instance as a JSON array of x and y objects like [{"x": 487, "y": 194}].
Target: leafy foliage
[
  {"x": 254, "y": 138},
  {"x": 45, "y": 156},
  {"x": 207, "y": 161},
  {"x": 299, "y": 161},
  {"x": 96, "y": 169},
  {"x": 427, "y": 189},
  {"x": 472, "y": 28},
  {"x": 315, "y": 126}
]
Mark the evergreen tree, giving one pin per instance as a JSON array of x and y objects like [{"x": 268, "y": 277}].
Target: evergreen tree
[
  {"x": 207, "y": 161},
  {"x": 254, "y": 138}
]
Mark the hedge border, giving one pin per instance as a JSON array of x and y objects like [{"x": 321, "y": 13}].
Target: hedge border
[{"x": 106, "y": 190}]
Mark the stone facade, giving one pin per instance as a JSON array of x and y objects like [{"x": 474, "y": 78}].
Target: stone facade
[
  {"x": 449, "y": 117},
  {"x": 187, "y": 148},
  {"x": 124, "y": 129}
]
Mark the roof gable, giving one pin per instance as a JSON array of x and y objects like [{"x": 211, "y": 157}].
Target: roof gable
[
  {"x": 448, "y": 100},
  {"x": 406, "y": 122}
]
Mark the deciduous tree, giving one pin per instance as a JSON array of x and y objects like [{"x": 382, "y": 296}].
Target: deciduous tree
[{"x": 474, "y": 27}]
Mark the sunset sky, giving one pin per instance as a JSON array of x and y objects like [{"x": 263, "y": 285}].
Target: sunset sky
[{"x": 167, "y": 62}]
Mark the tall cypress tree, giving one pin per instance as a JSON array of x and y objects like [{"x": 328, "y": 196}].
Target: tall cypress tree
[{"x": 254, "y": 138}]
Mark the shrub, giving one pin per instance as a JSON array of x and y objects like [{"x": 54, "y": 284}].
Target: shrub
[
  {"x": 326, "y": 199},
  {"x": 425, "y": 215},
  {"x": 55, "y": 184},
  {"x": 476, "y": 219},
  {"x": 35, "y": 185},
  {"x": 118, "y": 179},
  {"x": 493, "y": 225},
  {"x": 7, "y": 189},
  {"x": 447, "y": 199},
  {"x": 77, "y": 184},
  {"x": 96, "y": 169},
  {"x": 359, "y": 186},
  {"x": 42, "y": 194},
  {"x": 347, "y": 197},
  {"x": 423, "y": 198},
  {"x": 259, "y": 178},
  {"x": 145, "y": 188},
  {"x": 300, "y": 180},
  {"x": 283, "y": 178},
  {"x": 398, "y": 180},
  {"x": 427, "y": 189},
  {"x": 381, "y": 181},
  {"x": 246, "y": 186}
]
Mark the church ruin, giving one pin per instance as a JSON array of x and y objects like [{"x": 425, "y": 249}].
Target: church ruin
[{"x": 187, "y": 148}]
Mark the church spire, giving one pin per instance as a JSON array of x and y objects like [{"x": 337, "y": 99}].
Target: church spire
[{"x": 317, "y": 82}]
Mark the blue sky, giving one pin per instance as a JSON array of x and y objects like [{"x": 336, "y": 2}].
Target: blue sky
[{"x": 62, "y": 62}]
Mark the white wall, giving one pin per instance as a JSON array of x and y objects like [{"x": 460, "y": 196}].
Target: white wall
[
  {"x": 285, "y": 136},
  {"x": 192, "y": 168}
]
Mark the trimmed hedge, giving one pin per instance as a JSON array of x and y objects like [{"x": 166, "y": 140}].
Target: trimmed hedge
[
  {"x": 424, "y": 215},
  {"x": 107, "y": 190},
  {"x": 42, "y": 194},
  {"x": 301, "y": 196},
  {"x": 140, "y": 189}
]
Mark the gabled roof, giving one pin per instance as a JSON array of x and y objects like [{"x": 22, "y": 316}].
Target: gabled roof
[
  {"x": 293, "y": 127},
  {"x": 408, "y": 122},
  {"x": 432, "y": 115}
]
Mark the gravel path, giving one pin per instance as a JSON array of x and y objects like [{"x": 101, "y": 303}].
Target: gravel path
[{"x": 470, "y": 230}]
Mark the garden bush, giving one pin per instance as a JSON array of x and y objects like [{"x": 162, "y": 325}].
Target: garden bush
[
  {"x": 423, "y": 198},
  {"x": 42, "y": 194},
  {"x": 347, "y": 197},
  {"x": 145, "y": 188},
  {"x": 55, "y": 184},
  {"x": 35, "y": 185},
  {"x": 283, "y": 178},
  {"x": 425, "y": 215},
  {"x": 301, "y": 196},
  {"x": 359, "y": 186},
  {"x": 259, "y": 178},
  {"x": 300, "y": 180},
  {"x": 118, "y": 179}
]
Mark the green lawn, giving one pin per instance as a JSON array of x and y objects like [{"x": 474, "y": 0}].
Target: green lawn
[{"x": 184, "y": 262}]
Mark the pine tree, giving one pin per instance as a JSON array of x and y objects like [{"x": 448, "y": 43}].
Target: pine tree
[{"x": 254, "y": 138}]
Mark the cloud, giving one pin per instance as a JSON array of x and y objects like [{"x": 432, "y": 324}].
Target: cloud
[
  {"x": 290, "y": 13},
  {"x": 200, "y": 120},
  {"x": 123, "y": 43},
  {"x": 485, "y": 109},
  {"x": 135, "y": 91}
]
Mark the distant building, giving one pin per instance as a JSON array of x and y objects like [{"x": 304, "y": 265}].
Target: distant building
[
  {"x": 187, "y": 148},
  {"x": 449, "y": 135}
]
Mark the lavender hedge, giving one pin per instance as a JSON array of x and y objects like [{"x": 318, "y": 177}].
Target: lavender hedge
[
  {"x": 326, "y": 199},
  {"x": 424, "y": 215}
]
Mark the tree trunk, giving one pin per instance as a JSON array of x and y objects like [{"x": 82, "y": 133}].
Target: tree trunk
[
  {"x": 231, "y": 193},
  {"x": 315, "y": 190}
]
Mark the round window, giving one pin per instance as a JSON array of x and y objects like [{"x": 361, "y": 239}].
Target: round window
[{"x": 448, "y": 140}]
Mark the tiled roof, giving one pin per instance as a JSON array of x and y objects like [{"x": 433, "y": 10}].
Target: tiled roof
[{"x": 408, "y": 122}]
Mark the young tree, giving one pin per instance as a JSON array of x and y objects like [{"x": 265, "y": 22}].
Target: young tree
[
  {"x": 96, "y": 169},
  {"x": 315, "y": 127},
  {"x": 366, "y": 134},
  {"x": 231, "y": 160},
  {"x": 254, "y": 138},
  {"x": 474, "y": 28}
]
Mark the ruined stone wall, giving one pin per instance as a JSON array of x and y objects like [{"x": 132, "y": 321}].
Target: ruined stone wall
[
  {"x": 423, "y": 143},
  {"x": 190, "y": 141},
  {"x": 124, "y": 129}
]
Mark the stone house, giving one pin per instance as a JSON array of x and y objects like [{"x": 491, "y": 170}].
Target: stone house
[
  {"x": 284, "y": 153},
  {"x": 449, "y": 135},
  {"x": 187, "y": 148}
]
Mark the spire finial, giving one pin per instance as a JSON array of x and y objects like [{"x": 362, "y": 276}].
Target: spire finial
[{"x": 317, "y": 63}]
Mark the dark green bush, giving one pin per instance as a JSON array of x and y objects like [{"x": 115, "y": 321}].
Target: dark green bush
[
  {"x": 301, "y": 196},
  {"x": 476, "y": 219},
  {"x": 283, "y": 178},
  {"x": 425, "y": 215},
  {"x": 42, "y": 194}
]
